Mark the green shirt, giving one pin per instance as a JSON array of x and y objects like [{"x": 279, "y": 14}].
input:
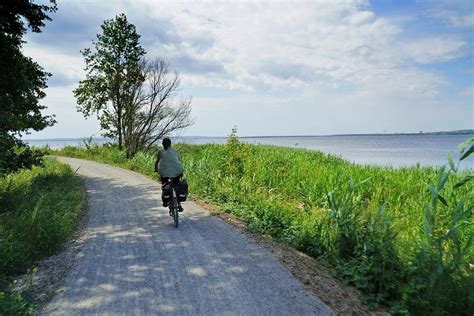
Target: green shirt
[{"x": 169, "y": 164}]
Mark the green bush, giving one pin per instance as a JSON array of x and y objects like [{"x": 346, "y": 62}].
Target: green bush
[
  {"x": 440, "y": 276},
  {"x": 38, "y": 212},
  {"x": 39, "y": 209},
  {"x": 19, "y": 156}
]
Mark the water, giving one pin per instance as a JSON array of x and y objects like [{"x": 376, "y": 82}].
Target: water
[
  {"x": 58, "y": 143},
  {"x": 385, "y": 150}
]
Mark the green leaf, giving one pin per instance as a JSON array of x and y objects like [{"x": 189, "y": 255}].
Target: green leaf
[
  {"x": 434, "y": 196},
  {"x": 451, "y": 161},
  {"x": 443, "y": 181},
  {"x": 443, "y": 200},
  {"x": 433, "y": 191},
  {"x": 332, "y": 201},
  {"x": 464, "y": 145},
  {"x": 362, "y": 182},
  {"x": 428, "y": 222},
  {"x": 468, "y": 244},
  {"x": 465, "y": 180},
  {"x": 467, "y": 153},
  {"x": 442, "y": 177}
]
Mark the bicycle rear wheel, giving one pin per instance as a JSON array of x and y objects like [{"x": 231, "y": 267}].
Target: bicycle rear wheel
[{"x": 175, "y": 215}]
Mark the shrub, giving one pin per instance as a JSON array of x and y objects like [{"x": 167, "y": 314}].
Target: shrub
[
  {"x": 38, "y": 212},
  {"x": 19, "y": 157}
]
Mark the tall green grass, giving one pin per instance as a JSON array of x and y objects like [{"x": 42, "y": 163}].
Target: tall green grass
[
  {"x": 38, "y": 212},
  {"x": 403, "y": 236}
]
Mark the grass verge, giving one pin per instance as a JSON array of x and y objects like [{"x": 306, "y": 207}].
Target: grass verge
[{"x": 39, "y": 209}]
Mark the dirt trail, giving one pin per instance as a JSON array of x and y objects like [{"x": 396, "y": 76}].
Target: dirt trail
[{"x": 133, "y": 260}]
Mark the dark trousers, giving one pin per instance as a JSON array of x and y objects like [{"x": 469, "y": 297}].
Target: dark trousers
[{"x": 174, "y": 180}]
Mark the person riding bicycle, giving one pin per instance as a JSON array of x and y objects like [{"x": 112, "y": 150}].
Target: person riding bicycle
[{"x": 168, "y": 165}]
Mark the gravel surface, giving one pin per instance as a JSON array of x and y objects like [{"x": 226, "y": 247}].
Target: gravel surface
[{"x": 134, "y": 261}]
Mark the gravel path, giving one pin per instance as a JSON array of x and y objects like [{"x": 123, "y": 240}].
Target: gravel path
[{"x": 134, "y": 261}]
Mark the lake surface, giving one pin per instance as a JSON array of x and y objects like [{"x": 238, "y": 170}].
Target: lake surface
[{"x": 385, "y": 150}]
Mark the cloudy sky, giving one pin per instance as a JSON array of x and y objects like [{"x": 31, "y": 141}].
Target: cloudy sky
[{"x": 283, "y": 68}]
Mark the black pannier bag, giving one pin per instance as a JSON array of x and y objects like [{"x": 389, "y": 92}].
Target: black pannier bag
[
  {"x": 182, "y": 190},
  {"x": 166, "y": 194}
]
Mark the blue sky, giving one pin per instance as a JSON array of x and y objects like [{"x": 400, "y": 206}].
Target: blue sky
[{"x": 283, "y": 68}]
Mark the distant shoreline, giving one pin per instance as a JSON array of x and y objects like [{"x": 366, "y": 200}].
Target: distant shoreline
[{"x": 447, "y": 133}]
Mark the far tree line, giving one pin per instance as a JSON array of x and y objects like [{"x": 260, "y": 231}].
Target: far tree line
[{"x": 135, "y": 99}]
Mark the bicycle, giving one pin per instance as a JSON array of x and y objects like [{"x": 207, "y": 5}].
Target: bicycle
[{"x": 174, "y": 206}]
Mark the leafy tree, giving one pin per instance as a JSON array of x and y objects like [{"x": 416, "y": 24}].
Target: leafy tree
[
  {"x": 112, "y": 74},
  {"x": 22, "y": 82}
]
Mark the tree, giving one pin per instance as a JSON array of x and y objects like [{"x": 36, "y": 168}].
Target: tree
[
  {"x": 112, "y": 73},
  {"x": 153, "y": 111},
  {"x": 22, "y": 82}
]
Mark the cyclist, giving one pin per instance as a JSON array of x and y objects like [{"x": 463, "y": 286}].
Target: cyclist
[{"x": 168, "y": 165}]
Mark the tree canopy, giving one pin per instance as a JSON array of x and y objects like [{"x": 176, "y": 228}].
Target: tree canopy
[
  {"x": 22, "y": 82},
  {"x": 112, "y": 73}
]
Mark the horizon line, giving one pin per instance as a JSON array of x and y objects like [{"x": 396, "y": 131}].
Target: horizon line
[{"x": 454, "y": 132}]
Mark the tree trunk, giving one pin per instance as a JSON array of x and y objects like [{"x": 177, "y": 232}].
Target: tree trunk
[
  {"x": 120, "y": 139},
  {"x": 119, "y": 130},
  {"x": 119, "y": 120}
]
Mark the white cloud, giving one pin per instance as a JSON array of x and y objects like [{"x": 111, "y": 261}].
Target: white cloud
[
  {"x": 235, "y": 45},
  {"x": 337, "y": 64},
  {"x": 67, "y": 67},
  {"x": 434, "y": 49},
  {"x": 456, "y": 19},
  {"x": 339, "y": 41}
]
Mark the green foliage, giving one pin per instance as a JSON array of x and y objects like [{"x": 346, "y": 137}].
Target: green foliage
[
  {"x": 233, "y": 157},
  {"x": 38, "y": 212},
  {"x": 15, "y": 304},
  {"x": 88, "y": 142},
  {"x": 344, "y": 221},
  {"x": 22, "y": 82},
  {"x": 14, "y": 14},
  {"x": 112, "y": 73},
  {"x": 402, "y": 236},
  {"x": 440, "y": 275},
  {"x": 19, "y": 156},
  {"x": 374, "y": 266}
]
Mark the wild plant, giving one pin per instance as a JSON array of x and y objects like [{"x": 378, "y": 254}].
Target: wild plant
[
  {"x": 308, "y": 234},
  {"x": 344, "y": 220},
  {"x": 87, "y": 142},
  {"x": 232, "y": 162},
  {"x": 362, "y": 244},
  {"x": 442, "y": 267},
  {"x": 376, "y": 268}
]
